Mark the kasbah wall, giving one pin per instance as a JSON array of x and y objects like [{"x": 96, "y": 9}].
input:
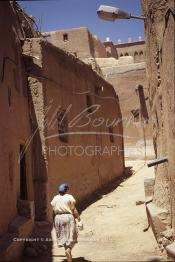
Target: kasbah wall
[
  {"x": 15, "y": 129},
  {"x": 77, "y": 86},
  {"x": 123, "y": 65},
  {"x": 160, "y": 50},
  {"x": 38, "y": 82}
]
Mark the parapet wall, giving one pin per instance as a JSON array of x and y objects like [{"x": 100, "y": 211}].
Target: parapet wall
[{"x": 135, "y": 49}]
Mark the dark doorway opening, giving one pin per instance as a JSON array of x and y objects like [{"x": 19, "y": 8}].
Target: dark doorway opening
[{"x": 23, "y": 180}]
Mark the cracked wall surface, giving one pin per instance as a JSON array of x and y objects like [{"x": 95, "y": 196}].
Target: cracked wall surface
[
  {"x": 160, "y": 49},
  {"x": 15, "y": 128}
]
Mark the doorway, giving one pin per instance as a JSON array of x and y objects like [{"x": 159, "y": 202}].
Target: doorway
[{"x": 23, "y": 179}]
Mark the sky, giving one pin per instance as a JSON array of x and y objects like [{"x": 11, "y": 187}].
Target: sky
[{"x": 54, "y": 15}]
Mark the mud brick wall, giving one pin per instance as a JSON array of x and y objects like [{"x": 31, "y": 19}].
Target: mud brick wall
[{"x": 160, "y": 50}]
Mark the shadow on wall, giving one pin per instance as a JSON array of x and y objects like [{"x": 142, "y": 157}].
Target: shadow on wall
[
  {"x": 39, "y": 162},
  {"x": 40, "y": 248},
  {"x": 40, "y": 171}
]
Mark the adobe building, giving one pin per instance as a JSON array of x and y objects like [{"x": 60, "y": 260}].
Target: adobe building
[
  {"x": 77, "y": 41},
  {"x": 160, "y": 51},
  {"x": 125, "y": 70},
  {"x": 134, "y": 49},
  {"x": 123, "y": 65},
  {"x": 38, "y": 83},
  {"x": 137, "y": 130}
]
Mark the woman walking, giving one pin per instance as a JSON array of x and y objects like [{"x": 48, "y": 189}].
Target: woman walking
[{"x": 65, "y": 214}]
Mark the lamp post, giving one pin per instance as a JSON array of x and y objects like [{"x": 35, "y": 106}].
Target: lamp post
[{"x": 111, "y": 13}]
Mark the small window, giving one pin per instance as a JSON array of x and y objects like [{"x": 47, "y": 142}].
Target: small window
[
  {"x": 9, "y": 96},
  {"x": 65, "y": 37},
  {"x": 121, "y": 55},
  {"x": 136, "y": 54},
  {"x": 89, "y": 103},
  {"x": 136, "y": 115},
  {"x": 2, "y": 65},
  {"x": 126, "y": 54},
  {"x": 111, "y": 135},
  {"x": 62, "y": 126},
  {"x": 23, "y": 174}
]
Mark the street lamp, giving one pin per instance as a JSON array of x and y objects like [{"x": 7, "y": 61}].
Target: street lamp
[{"x": 111, "y": 13}]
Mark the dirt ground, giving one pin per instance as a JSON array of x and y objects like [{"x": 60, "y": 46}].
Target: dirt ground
[{"x": 113, "y": 225}]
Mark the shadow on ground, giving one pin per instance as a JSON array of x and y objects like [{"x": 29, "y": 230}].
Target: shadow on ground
[
  {"x": 78, "y": 259},
  {"x": 106, "y": 189},
  {"x": 41, "y": 249}
]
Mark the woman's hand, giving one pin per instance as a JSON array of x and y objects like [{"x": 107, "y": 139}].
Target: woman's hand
[{"x": 80, "y": 225}]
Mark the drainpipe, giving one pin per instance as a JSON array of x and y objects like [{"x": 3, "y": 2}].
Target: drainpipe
[{"x": 157, "y": 161}]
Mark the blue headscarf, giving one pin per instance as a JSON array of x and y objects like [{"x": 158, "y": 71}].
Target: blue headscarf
[{"x": 63, "y": 188}]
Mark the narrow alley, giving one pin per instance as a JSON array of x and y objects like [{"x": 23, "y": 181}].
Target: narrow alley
[
  {"x": 87, "y": 134},
  {"x": 113, "y": 225}
]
